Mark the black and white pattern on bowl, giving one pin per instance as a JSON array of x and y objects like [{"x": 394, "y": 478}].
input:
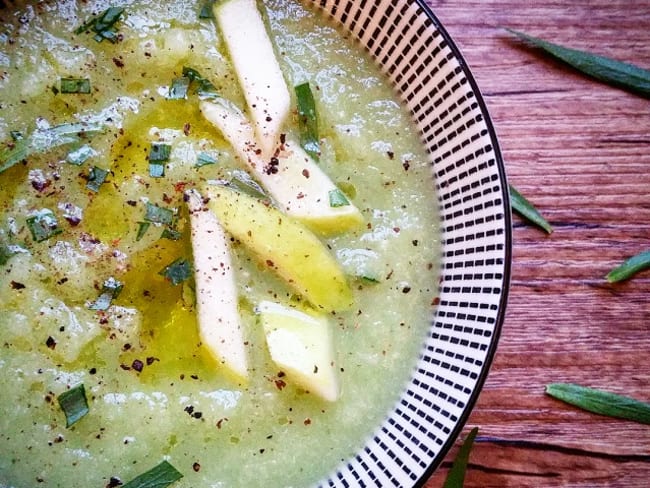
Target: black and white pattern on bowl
[{"x": 417, "y": 55}]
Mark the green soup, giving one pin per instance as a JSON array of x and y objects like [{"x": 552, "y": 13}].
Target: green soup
[{"x": 153, "y": 392}]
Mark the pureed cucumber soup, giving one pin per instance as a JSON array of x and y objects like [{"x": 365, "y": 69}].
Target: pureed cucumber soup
[{"x": 97, "y": 266}]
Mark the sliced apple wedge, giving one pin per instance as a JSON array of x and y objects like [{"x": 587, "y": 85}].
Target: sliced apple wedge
[
  {"x": 220, "y": 327},
  {"x": 296, "y": 182},
  {"x": 285, "y": 246},
  {"x": 300, "y": 343},
  {"x": 257, "y": 68}
]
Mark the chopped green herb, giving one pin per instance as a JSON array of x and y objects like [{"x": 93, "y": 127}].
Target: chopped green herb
[
  {"x": 156, "y": 170},
  {"x": 307, "y": 120},
  {"x": 160, "y": 476},
  {"x": 159, "y": 152},
  {"x": 610, "y": 71},
  {"x": 103, "y": 25},
  {"x": 110, "y": 290},
  {"x": 75, "y": 85},
  {"x": 96, "y": 178},
  {"x": 171, "y": 234},
  {"x": 7, "y": 251},
  {"x": 43, "y": 140},
  {"x": 80, "y": 155},
  {"x": 204, "y": 159},
  {"x": 370, "y": 279},
  {"x": 601, "y": 402},
  {"x": 338, "y": 199},
  {"x": 205, "y": 89},
  {"x": 43, "y": 225},
  {"x": 177, "y": 271},
  {"x": 158, "y": 215},
  {"x": 242, "y": 182},
  {"x": 630, "y": 267},
  {"x": 456, "y": 476},
  {"x": 206, "y": 10},
  {"x": 179, "y": 88},
  {"x": 16, "y": 135},
  {"x": 74, "y": 404},
  {"x": 143, "y": 227},
  {"x": 527, "y": 210}
]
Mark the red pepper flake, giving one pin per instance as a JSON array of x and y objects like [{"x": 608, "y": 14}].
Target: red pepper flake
[
  {"x": 118, "y": 62},
  {"x": 221, "y": 421},
  {"x": 280, "y": 384},
  {"x": 307, "y": 421},
  {"x": 137, "y": 365},
  {"x": 391, "y": 155},
  {"x": 406, "y": 289},
  {"x": 125, "y": 367},
  {"x": 132, "y": 203},
  {"x": 270, "y": 263},
  {"x": 186, "y": 128},
  {"x": 50, "y": 342},
  {"x": 180, "y": 186},
  {"x": 196, "y": 467},
  {"x": 17, "y": 286},
  {"x": 151, "y": 359},
  {"x": 435, "y": 301},
  {"x": 305, "y": 173},
  {"x": 406, "y": 165}
]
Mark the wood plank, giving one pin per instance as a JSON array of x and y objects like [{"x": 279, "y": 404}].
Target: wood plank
[{"x": 581, "y": 152}]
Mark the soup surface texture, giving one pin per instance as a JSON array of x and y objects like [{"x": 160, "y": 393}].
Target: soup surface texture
[{"x": 153, "y": 391}]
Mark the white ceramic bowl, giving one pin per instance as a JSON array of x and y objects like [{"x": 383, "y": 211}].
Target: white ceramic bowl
[{"x": 416, "y": 53}]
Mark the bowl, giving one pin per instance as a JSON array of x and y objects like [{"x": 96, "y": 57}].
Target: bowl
[{"x": 420, "y": 59}]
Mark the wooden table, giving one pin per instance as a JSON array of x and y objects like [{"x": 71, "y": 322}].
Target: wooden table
[{"x": 581, "y": 152}]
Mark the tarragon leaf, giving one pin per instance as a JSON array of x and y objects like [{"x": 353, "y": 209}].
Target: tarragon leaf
[
  {"x": 601, "y": 402},
  {"x": 527, "y": 210},
  {"x": 608, "y": 70}
]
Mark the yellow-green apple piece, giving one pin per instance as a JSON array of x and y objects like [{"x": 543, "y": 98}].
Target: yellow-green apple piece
[
  {"x": 219, "y": 322},
  {"x": 257, "y": 68},
  {"x": 300, "y": 343},
  {"x": 294, "y": 180},
  {"x": 284, "y": 245}
]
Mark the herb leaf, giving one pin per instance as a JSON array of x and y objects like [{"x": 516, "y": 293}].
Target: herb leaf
[
  {"x": 610, "y": 71},
  {"x": 178, "y": 88},
  {"x": 110, "y": 290},
  {"x": 177, "y": 271},
  {"x": 43, "y": 140},
  {"x": 456, "y": 475},
  {"x": 103, "y": 25},
  {"x": 527, "y": 210},
  {"x": 96, "y": 178},
  {"x": 74, "y": 404},
  {"x": 307, "y": 120},
  {"x": 203, "y": 159},
  {"x": 338, "y": 199},
  {"x": 43, "y": 225},
  {"x": 601, "y": 402},
  {"x": 75, "y": 85},
  {"x": 159, "y": 215},
  {"x": 158, "y": 477},
  {"x": 629, "y": 268}
]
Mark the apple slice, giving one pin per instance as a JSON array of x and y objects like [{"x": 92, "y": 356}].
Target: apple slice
[
  {"x": 257, "y": 68},
  {"x": 301, "y": 344},
  {"x": 220, "y": 328},
  {"x": 296, "y": 182},
  {"x": 284, "y": 245}
]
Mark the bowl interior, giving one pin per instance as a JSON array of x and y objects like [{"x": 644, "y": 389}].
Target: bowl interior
[{"x": 419, "y": 58}]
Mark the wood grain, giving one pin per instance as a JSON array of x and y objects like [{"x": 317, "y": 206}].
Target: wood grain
[{"x": 581, "y": 152}]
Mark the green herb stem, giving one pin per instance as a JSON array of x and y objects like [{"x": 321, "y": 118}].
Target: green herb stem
[
  {"x": 456, "y": 475},
  {"x": 601, "y": 402},
  {"x": 527, "y": 210},
  {"x": 630, "y": 267},
  {"x": 610, "y": 71}
]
